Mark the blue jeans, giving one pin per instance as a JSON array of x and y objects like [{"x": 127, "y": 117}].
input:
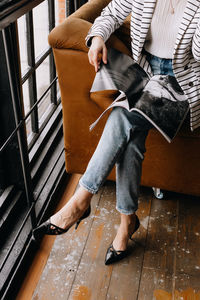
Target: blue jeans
[
  {"x": 159, "y": 65},
  {"x": 122, "y": 144}
]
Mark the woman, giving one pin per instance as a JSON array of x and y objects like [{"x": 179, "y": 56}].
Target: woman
[{"x": 165, "y": 40}]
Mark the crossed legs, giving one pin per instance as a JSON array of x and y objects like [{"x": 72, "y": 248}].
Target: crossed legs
[{"x": 122, "y": 143}]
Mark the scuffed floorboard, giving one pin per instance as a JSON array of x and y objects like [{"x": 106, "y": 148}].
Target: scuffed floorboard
[{"x": 163, "y": 261}]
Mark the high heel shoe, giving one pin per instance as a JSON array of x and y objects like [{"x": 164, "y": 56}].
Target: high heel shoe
[
  {"x": 113, "y": 255},
  {"x": 85, "y": 215},
  {"x": 51, "y": 229}
]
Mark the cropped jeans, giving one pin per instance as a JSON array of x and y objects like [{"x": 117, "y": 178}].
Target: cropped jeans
[{"x": 123, "y": 144}]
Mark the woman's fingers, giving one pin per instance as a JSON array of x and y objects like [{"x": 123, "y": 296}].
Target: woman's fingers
[
  {"x": 104, "y": 56},
  {"x": 97, "y": 52},
  {"x": 94, "y": 58},
  {"x": 96, "y": 61}
]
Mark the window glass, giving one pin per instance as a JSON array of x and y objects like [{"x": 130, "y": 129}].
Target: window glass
[
  {"x": 43, "y": 81},
  {"x": 41, "y": 27},
  {"x": 22, "y": 43}
]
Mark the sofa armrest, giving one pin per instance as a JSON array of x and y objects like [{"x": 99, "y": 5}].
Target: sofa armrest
[
  {"x": 71, "y": 35},
  {"x": 73, "y": 30}
]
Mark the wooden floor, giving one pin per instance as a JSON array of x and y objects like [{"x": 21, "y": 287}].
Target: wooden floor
[{"x": 163, "y": 261}]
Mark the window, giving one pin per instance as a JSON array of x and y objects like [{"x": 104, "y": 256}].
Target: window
[{"x": 32, "y": 162}]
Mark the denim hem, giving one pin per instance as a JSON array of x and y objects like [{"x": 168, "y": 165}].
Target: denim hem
[
  {"x": 92, "y": 191},
  {"x": 125, "y": 212}
]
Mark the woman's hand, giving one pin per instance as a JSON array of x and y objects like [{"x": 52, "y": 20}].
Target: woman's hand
[{"x": 97, "y": 52}]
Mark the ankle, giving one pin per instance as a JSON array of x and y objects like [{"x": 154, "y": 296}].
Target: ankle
[
  {"x": 83, "y": 193},
  {"x": 82, "y": 206},
  {"x": 83, "y": 197},
  {"x": 81, "y": 203},
  {"x": 127, "y": 220}
]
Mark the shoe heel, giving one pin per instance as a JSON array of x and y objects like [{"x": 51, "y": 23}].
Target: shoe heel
[
  {"x": 85, "y": 215},
  {"x": 137, "y": 225},
  {"x": 77, "y": 224}
]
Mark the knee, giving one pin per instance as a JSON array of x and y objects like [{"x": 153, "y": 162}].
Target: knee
[
  {"x": 138, "y": 150},
  {"x": 117, "y": 118}
]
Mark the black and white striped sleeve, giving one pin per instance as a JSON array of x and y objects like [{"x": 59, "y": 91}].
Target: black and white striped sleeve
[
  {"x": 111, "y": 18},
  {"x": 196, "y": 44}
]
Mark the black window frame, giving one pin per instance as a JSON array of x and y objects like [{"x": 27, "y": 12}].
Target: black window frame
[{"x": 37, "y": 164}]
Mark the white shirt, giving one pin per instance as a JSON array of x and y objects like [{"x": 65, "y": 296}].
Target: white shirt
[{"x": 164, "y": 27}]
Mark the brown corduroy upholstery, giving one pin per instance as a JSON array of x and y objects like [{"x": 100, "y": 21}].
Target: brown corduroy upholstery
[{"x": 174, "y": 166}]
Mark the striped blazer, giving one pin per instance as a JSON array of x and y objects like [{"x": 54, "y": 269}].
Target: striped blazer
[{"x": 186, "y": 55}]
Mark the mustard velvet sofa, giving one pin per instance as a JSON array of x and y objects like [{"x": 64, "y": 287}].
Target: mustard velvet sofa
[{"x": 170, "y": 166}]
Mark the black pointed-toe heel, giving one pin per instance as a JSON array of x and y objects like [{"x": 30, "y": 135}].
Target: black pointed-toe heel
[
  {"x": 47, "y": 228},
  {"x": 137, "y": 225},
  {"x": 85, "y": 215},
  {"x": 113, "y": 255},
  {"x": 51, "y": 229}
]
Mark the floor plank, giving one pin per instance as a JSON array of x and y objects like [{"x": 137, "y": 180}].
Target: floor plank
[
  {"x": 188, "y": 244},
  {"x": 64, "y": 261},
  {"x": 129, "y": 270},
  {"x": 159, "y": 258},
  {"x": 93, "y": 275},
  {"x": 40, "y": 260},
  {"x": 163, "y": 264}
]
